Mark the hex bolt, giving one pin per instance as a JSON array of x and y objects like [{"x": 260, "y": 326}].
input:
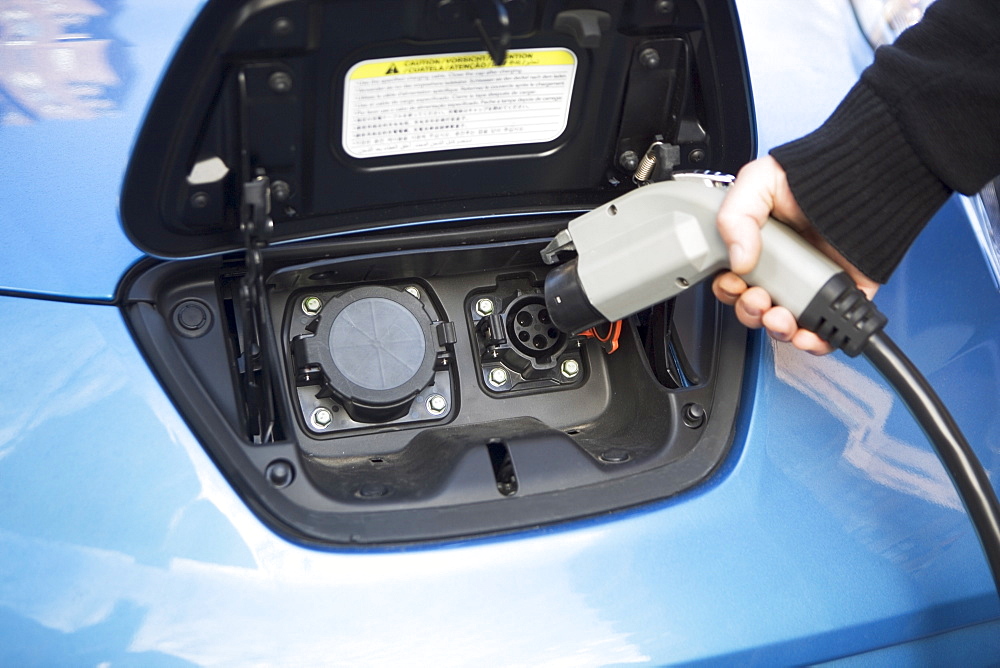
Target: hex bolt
[
  {"x": 436, "y": 404},
  {"x": 282, "y": 27},
  {"x": 199, "y": 200},
  {"x": 321, "y": 417},
  {"x": 311, "y": 305},
  {"x": 650, "y": 58},
  {"x": 498, "y": 376},
  {"x": 628, "y": 161},
  {"x": 696, "y": 155},
  {"x": 280, "y": 82},
  {"x": 280, "y": 191},
  {"x": 413, "y": 290},
  {"x": 485, "y": 306},
  {"x": 570, "y": 368}
]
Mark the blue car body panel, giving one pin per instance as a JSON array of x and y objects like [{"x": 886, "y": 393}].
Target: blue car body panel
[
  {"x": 66, "y": 150},
  {"x": 830, "y": 531}
]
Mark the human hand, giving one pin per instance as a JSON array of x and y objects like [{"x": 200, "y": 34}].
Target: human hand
[{"x": 761, "y": 190}]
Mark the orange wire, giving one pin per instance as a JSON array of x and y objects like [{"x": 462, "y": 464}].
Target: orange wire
[{"x": 614, "y": 331}]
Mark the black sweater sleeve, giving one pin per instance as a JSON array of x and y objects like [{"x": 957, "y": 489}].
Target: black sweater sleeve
[{"x": 923, "y": 121}]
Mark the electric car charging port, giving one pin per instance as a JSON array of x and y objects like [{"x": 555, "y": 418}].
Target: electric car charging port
[
  {"x": 390, "y": 426},
  {"x": 370, "y": 355},
  {"x": 518, "y": 348}
]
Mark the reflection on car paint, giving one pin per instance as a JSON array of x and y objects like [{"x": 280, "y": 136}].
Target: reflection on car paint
[
  {"x": 59, "y": 61},
  {"x": 863, "y": 406},
  {"x": 131, "y": 540}
]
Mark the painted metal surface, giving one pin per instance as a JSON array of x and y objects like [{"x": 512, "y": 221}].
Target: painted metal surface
[
  {"x": 75, "y": 79},
  {"x": 830, "y": 531}
]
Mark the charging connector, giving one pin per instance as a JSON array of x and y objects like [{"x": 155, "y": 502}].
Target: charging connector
[{"x": 842, "y": 315}]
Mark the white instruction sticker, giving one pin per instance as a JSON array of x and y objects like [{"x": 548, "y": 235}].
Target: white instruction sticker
[{"x": 397, "y": 106}]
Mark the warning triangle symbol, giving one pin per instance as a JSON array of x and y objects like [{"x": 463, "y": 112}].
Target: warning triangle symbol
[{"x": 392, "y": 69}]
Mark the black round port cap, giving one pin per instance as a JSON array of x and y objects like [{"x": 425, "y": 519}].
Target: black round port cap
[{"x": 375, "y": 345}]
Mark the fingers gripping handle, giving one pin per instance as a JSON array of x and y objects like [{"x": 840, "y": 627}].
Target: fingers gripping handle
[
  {"x": 654, "y": 242},
  {"x": 790, "y": 268},
  {"x": 819, "y": 294}
]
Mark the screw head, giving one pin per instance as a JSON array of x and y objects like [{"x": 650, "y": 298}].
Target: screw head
[
  {"x": 664, "y": 6},
  {"x": 321, "y": 417},
  {"x": 199, "y": 200},
  {"x": 650, "y": 58},
  {"x": 485, "y": 306},
  {"x": 280, "y": 191},
  {"x": 696, "y": 155},
  {"x": 570, "y": 368},
  {"x": 280, "y": 82},
  {"x": 282, "y": 26},
  {"x": 312, "y": 305},
  {"x": 498, "y": 376},
  {"x": 628, "y": 161},
  {"x": 413, "y": 290},
  {"x": 436, "y": 404}
]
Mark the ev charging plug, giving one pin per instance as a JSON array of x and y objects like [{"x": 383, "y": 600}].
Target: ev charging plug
[{"x": 654, "y": 242}]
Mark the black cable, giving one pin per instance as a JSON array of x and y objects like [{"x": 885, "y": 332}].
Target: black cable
[
  {"x": 844, "y": 317},
  {"x": 959, "y": 460}
]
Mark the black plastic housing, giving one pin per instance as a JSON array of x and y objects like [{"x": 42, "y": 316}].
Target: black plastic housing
[
  {"x": 507, "y": 425},
  {"x": 615, "y": 438},
  {"x": 219, "y": 99}
]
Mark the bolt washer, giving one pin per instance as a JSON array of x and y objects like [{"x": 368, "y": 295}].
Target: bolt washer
[
  {"x": 312, "y": 305},
  {"x": 321, "y": 417},
  {"x": 485, "y": 306},
  {"x": 436, "y": 404},
  {"x": 498, "y": 376}
]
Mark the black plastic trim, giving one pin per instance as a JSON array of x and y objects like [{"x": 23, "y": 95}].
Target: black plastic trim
[
  {"x": 294, "y": 510},
  {"x": 842, "y": 315},
  {"x": 198, "y": 112},
  {"x": 567, "y": 301}
]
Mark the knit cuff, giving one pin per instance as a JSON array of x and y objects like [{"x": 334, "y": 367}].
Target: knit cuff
[{"x": 861, "y": 183}]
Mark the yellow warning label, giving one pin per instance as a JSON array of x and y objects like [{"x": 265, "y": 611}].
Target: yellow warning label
[
  {"x": 387, "y": 67},
  {"x": 449, "y": 101}
]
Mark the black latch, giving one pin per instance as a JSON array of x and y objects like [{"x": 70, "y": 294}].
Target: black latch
[{"x": 258, "y": 391}]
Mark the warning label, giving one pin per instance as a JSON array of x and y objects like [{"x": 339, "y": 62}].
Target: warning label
[{"x": 459, "y": 100}]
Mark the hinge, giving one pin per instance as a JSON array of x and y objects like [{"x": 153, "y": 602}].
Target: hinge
[{"x": 258, "y": 391}]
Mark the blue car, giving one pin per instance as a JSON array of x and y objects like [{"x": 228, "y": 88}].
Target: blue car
[{"x": 280, "y": 387}]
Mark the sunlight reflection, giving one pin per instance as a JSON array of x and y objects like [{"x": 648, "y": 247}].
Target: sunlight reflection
[{"x": 863, "y": 406}]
